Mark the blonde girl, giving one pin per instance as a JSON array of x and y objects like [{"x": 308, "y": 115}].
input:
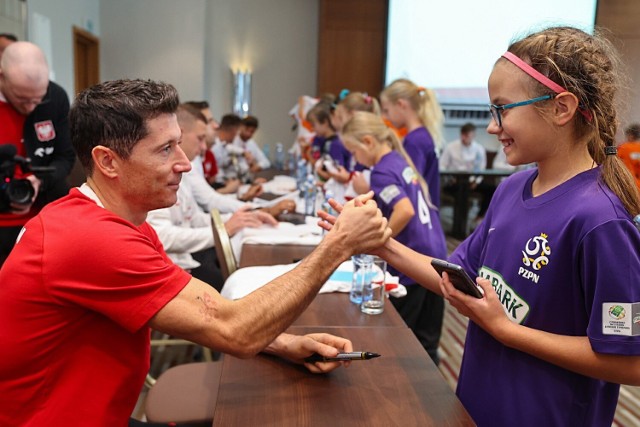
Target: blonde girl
[
  {"x": 400, "y": 193},
  {"x": 407, "y": 105}
]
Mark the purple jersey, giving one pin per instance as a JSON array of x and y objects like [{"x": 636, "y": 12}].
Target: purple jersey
[
  {"x": 566, "y": 262},
  {"x": 419, "y": 146},
  {"x": 392, "y": 179},
  {"x": 334, "y": 148}
]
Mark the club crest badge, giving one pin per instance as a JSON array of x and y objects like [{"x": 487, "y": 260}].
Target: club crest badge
[{"x": 45, "y": 131}]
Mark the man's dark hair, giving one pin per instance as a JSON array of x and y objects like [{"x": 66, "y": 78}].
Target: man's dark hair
[
  {"x": 200, "y": 105},
  {"x": 188, "y": 113},
  {"x": 250, "y": 122},
  {"x": 114, "y": 114},
  {"x": 467, "y": 127},
  {"x": 9, "y": 36},
  {"x": 632, "y": 132},
  {"x": 230, "y": 121}
]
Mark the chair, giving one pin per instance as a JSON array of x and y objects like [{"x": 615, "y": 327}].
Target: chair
[
  {"x": 168, "y": 351},
  {"x": 222, "y": 245},
  {"x": 185, "y": 394}
]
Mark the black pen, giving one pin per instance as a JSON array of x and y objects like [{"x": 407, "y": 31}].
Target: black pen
[{"x": 354, "y": 355}]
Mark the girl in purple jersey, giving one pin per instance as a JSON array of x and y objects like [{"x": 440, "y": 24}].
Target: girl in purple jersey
[
  {"x": 415, "y": 108},
  {"x": 399, "y": 191},
  {"x": 558, "y": 254}
]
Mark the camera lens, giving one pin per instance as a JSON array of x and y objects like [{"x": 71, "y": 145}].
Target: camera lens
[{"x": 20, "y": 191}]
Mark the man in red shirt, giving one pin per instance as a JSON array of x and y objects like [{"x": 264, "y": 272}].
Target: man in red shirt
[{"x": 88, "y": 276}]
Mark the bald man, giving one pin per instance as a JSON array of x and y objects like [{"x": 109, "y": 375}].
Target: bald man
[{"x": 33, "y": 118}]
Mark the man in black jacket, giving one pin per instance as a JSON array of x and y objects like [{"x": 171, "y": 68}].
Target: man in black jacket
[{"x": 34, "y": 119}]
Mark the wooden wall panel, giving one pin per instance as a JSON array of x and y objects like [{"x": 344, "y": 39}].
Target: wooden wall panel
[
  {"x": 620, "y": 17},
  {"x": 352, "y": 45}
]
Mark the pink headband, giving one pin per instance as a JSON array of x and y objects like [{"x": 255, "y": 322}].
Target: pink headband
[{"x": 542, "y": 79}]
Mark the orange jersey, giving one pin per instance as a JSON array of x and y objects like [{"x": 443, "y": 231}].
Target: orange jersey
[{"x": 629, "y": 153}]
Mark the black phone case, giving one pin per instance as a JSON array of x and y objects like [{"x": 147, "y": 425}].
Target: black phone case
[{"x": 457, "y": 276}]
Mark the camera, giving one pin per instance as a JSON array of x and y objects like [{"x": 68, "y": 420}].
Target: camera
[{"x": 13, "y": 190}]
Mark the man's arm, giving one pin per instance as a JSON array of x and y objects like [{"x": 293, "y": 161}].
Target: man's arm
[
  {"x": 178, "y": 239},
  {"x": 258, "y": 155},
  {"x": 208, "y": 198},
  {"x": 246, "y": 326}
]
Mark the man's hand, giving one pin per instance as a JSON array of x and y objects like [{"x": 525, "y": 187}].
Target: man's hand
[
  {"x": 296, "y": 347},
  {"x": 280, "y": 207},
  {"x": 253, "y": 192},
  {"x": 247, "y": 218},
  {"x": 360, "y": 225}
]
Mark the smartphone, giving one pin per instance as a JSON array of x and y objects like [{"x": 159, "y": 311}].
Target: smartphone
[{"x": 460, "y": 279}]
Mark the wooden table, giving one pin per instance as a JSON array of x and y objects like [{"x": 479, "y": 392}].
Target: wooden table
[
  {"x": 335, "y": 310},
  {"x": 461, "y": 203},
  {"x": 259, "y": 254},
  {"x": 403, "y": 387}
]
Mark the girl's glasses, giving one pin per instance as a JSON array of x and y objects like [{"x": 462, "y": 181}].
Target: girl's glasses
[{"x": 496, "y": 110}]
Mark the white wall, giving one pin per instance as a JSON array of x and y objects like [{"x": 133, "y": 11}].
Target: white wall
[
  {"x": 56, "y": 39},
  {"x": 278, "y": 41},
  {"x": 194, "y": 43},
  {"x": 154, "y": 39}
]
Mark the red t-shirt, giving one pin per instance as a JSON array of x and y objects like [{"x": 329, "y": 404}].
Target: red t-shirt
[
  {"x": 209, "y": 165},
  {"x": 77, "y": 293}
]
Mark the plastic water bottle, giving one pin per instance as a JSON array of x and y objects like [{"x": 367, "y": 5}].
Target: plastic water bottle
[
  {"x": 267, "y": 151},
  {"x": 362, "y": 267},
  {"x": 279, "y": 161},
  {"x": 292, "y": 163},
  {"x": 310, "y": 195},
  {"x": 301, "y": 174}
]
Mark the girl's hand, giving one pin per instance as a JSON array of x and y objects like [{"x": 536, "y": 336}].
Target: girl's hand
[
  {"x": 342, "y": 175},
  {"x": 326, "y": 220},
  {"x": 486, "y": 312}
]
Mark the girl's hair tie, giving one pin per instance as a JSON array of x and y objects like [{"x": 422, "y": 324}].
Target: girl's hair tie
[
  {"x": 367, "y": 98},
  {"x": 421, "y": 90},
  {"x": 610, "y": 150}
]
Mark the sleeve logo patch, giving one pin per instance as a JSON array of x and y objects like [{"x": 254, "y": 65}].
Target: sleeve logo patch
[
  {"x": 389, "y": 193},
  {"x": 621, "y": 319},
  {"x": 409, "y": 176},
  {"x": 45, "y": 131}
]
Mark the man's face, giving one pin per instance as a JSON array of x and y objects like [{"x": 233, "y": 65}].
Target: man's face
[
  {"x": 246, "y": 132},
  {"x": 21, "y": 94},
  {"x": 227, "y": 135},
  {"x": 467, "y": 138},
  {"x": 194, "y": 139},
  {"x": 212, "y": 126},
  {"x": 150, "y": 177}
]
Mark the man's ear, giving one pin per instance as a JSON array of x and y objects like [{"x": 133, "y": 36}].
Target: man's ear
[
  {"x": 105, "y": 161},
  {"x": 565, "y": 108}
]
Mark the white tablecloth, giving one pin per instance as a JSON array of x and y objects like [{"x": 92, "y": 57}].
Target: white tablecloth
[
  {"x": 246, "y": 280},
  {"x": 284, "y": 233}
]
